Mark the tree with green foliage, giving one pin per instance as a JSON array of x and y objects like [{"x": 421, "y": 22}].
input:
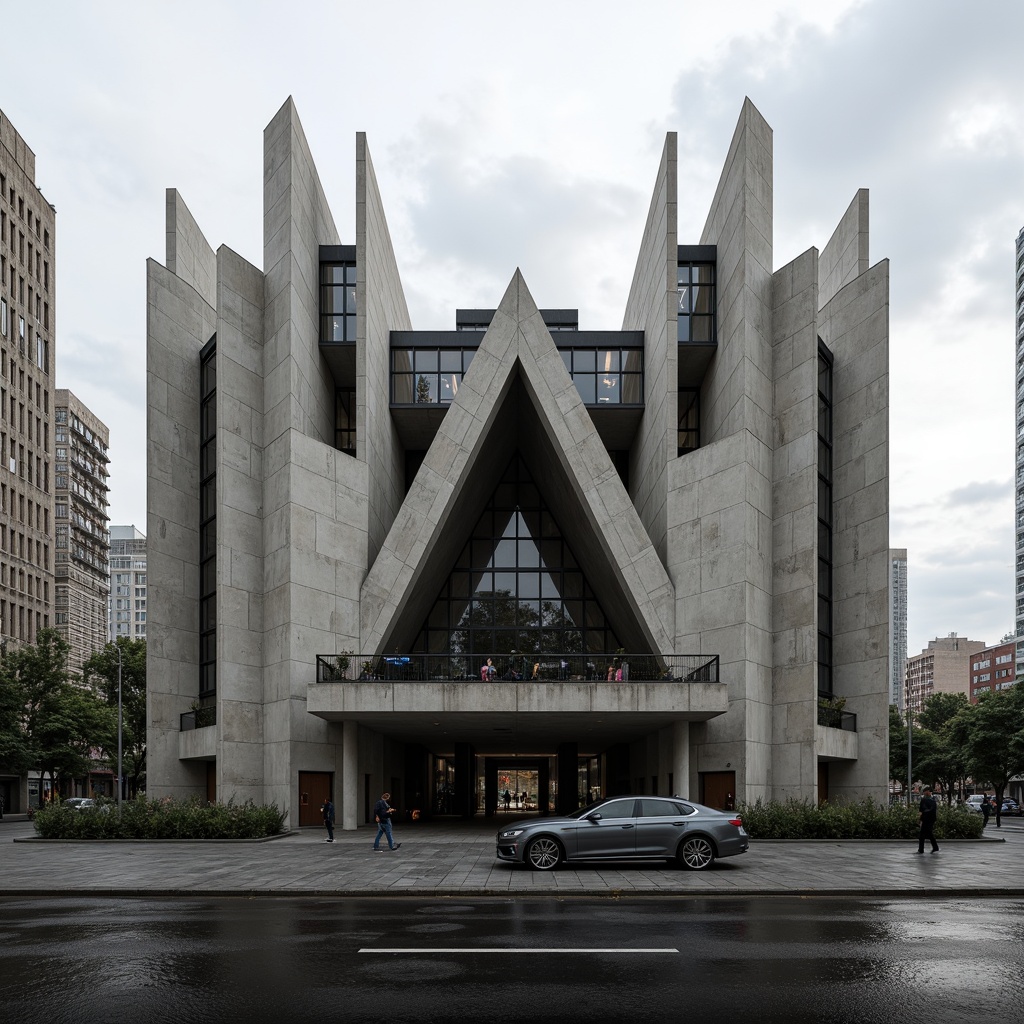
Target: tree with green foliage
[
  {"x": 897, "y": 747},
  {"x": 17, "y": 751},
  {"x": 60, "y": 723},
  {"x": 943, "y": 756},
  {"x": 992, "y": 733},
  {"x": 73, "y": 726},
  {"x": 100, "y": 671}
]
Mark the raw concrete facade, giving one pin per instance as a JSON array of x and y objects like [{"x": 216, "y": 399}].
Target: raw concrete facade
[{"x": 750, "y": 575}]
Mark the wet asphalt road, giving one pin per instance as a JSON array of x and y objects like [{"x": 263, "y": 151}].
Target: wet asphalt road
[{"x": 780, "y": 959}]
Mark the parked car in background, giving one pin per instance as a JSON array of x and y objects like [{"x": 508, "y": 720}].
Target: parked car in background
[
  {"x": 626, "y": 828},
  {"x": 85, "y": 803},
  {"x": 1010, "y": 807},
  {"x": 973, "y": 803}
]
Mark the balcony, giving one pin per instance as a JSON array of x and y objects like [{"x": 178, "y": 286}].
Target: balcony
[
  {"x": 541, "y": 668},
  {"x": 441, "y": 700}
]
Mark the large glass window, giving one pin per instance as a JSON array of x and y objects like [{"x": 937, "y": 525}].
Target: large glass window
[
  {"x": 606, "y": 376},
  {"x": 427, "y": 375},
  {"x": 696, "y": 302},
  {"x": 338, "y": 302},
  {"x": 516, "y": 586}
]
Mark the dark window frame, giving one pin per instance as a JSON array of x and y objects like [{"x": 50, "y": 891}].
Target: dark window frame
[
  {"x": 825, "y": 576},
  {"x": 208, "y": 520}
]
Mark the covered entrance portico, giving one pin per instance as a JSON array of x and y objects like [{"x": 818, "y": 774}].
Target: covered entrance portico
[{"x": 475, "y": 729}]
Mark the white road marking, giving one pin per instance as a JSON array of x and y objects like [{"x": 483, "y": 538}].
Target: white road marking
[{"x": 514, "y": 949}]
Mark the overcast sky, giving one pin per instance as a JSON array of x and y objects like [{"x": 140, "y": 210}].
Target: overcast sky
[{"x": 529, "y": 135}]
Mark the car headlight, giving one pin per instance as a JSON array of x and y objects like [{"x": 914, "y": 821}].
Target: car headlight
[{"x": 512, "y": 833}]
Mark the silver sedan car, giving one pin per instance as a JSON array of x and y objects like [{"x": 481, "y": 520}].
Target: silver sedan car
[{"x": 627, "y": 828}]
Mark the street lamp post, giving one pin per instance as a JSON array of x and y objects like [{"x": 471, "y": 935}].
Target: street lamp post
[
  {"x": 910, "y": 746},
  {"x": 119, "y": 728}
]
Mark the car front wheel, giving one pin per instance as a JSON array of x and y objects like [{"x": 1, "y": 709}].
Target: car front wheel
[
  {"x": 543, "y": 854},
  {"x": 696, "y": 853}
]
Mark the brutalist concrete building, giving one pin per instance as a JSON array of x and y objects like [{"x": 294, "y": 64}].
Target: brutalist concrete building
[{"x": 650, "y": 559}]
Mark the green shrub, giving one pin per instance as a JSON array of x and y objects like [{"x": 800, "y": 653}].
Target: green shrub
[
  {"x": 160, "y": 819},
  {"x": 795, "y": 819}
]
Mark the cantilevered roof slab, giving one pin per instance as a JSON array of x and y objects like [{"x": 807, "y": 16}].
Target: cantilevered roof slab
[{"x": 520, "y": 717}]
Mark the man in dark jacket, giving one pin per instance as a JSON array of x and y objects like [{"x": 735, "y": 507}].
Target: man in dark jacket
[
  {"x": 382, "y": 812},
  {"x": 327, "y": 810},
  {"x": 929, "y": 809}
]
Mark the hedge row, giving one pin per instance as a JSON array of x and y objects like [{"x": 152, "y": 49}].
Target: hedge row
[
  {"x": 159, "y": 819},
  {"x": 801, "y": 820}
]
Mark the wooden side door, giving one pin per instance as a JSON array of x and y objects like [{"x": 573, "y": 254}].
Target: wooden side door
[
  {"x": 716, "y": 788},
  {"x": 314, "y": 789}
]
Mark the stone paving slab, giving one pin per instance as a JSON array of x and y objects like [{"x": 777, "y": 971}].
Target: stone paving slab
[{"x": 449, "y": 860}]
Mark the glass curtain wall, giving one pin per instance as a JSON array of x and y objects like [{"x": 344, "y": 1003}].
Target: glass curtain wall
[{"x": 516, "y": 587}]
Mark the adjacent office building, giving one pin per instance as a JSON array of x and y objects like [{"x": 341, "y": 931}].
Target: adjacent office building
[
  {"x": 81, "y": 538},
  {"x": 993, "y": 668},
  {"x": 27, "y": 330},
  {"x": 27, "y": 325},
  {"x": 644, "y": 558},
  {"x": 127, "y": 614},
  {"x": 942, "y": 667},
  {"x": 1019, "y": 417},
  {"x": 897, "y": 625}
]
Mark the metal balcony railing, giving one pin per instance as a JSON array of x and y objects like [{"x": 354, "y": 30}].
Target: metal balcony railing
[
  {"x": 198, "y": 718},
  {"x": 682, "y": 668},
  {"x": 833, "y": 718}
]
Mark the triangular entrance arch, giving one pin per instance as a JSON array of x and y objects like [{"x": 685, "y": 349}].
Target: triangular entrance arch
[{"x": 517, "y": 394}]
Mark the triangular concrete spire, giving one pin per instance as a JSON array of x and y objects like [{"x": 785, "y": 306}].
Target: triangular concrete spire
[{"x": 517, "y": 387}]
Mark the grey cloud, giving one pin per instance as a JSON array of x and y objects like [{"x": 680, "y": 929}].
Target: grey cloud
[
  {"x": 980, "y": 493},
  {"x": 870, "y": 105}
]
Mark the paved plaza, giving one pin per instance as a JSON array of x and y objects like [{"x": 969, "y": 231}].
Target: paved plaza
[{"x": 457, "y": 859}]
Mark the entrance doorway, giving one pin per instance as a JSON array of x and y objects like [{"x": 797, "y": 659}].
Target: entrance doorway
[
  {"x": 531, "y": 778},
  {"x": 717, "y": 789},
  {"x": 314, "y": 789},
  {"x": 518, "y": 789}
]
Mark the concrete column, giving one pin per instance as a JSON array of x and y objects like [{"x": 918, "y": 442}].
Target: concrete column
[
  {"x": 567, "y": 760},
  {"x": 681, "y": 759},
  {"x": 349, "y": 776}
]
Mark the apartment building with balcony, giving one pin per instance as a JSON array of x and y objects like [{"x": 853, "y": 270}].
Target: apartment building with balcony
[
  {"x": 81, "y": 536},
  {"x": 942, "y": 667},
  {"x": 127, "y": 616},
  {"x": 650, "y": 557},
  {"x": 992, "y": 669}
]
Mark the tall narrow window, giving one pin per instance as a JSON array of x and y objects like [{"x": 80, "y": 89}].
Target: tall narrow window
[
  {"x": 338, "y": 302},
  {"x": 696, "y": 302},
  {"x": 208, "y": 520},
  {"x": 688, "y": 428},
  {"x": 824, "y": 520},
  {"x": 345, "y": 420}
]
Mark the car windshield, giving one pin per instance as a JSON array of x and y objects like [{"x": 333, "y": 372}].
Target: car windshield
[{"x": 584, "y": 811}]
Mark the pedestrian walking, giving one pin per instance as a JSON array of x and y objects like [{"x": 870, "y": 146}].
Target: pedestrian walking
[
  {"x": 327, "y": 810},
  {"x": 382, "y": 812},
  {"x": 928, "y": 809},
  {"x": 986, "y": 809}
]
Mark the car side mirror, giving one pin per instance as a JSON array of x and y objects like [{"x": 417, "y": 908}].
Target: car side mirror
[{"x": 594, "y": 816}]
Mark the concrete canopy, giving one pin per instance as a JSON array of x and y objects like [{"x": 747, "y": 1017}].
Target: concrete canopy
[{"x": 518, "y": 394}]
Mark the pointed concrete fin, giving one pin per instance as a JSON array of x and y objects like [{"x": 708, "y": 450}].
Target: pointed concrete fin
[
  {"x": 845, "y": 256},
  {"x": 517, "y": 393}
]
